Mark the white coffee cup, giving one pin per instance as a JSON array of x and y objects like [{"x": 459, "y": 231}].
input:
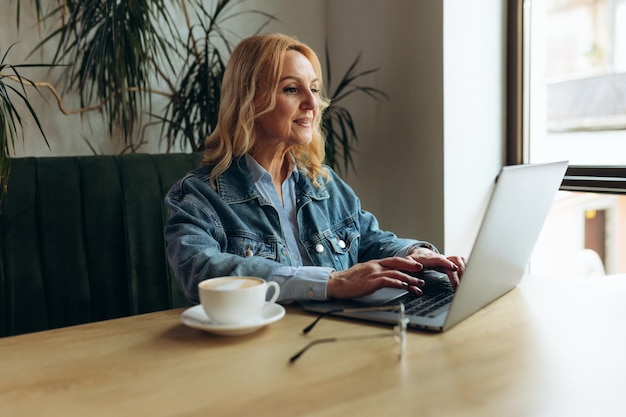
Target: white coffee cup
[{"x": 235, "y": 299}]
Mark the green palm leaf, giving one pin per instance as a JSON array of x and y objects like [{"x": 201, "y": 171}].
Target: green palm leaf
[
  {"x": 13, "y": 87},
  {"x": 112, "y": 46},
  {"x": 337, "y": 122}
]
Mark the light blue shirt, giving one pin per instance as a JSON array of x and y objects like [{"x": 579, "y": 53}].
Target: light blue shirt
[{"x": 300, "y": 278}]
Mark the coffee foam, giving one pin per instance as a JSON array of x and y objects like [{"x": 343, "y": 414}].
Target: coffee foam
[{"x": 231, "y": 284}]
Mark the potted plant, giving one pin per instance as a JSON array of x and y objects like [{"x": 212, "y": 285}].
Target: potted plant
[{"x": 121, "y": 51}]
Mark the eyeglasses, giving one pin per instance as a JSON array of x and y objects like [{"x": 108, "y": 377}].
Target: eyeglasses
[{"x": 399, "y": 330}]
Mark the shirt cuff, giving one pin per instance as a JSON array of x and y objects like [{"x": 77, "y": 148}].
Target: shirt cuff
[
  {"x": 404, "y": 252},
  {"x": 301, "y": 283}
]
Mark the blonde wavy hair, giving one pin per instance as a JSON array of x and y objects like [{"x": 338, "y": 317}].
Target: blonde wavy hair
[{"x": 252, "y": 76}]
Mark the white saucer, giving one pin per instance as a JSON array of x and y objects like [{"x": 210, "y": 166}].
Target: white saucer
[{"x": 196, "y": 317}]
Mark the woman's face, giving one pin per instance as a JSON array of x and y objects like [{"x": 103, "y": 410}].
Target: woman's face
[{"x": 297, "y": 104}]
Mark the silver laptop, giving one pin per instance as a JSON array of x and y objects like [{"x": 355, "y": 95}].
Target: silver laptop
[{"x": 520, "y": 202}]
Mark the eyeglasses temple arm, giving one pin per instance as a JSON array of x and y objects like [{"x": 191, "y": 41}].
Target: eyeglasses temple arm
[
  {"x": 308, "y": 328},
  {"x": 310, "y": 345},
  {"x": 337, "y": 339}
]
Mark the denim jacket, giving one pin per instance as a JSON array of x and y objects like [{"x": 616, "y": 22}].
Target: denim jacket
[{"x": 233, "y": 230}]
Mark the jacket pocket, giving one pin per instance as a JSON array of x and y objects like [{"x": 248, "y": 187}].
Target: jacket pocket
[
  {"x": 340, "y": 246},
  {"x": 246, "y": 246}
]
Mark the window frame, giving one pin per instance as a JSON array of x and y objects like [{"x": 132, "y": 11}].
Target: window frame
[{"x": 587, "y": 178}]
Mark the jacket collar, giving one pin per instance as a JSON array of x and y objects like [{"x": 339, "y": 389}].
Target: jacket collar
[{"x": 235, "y": 184}]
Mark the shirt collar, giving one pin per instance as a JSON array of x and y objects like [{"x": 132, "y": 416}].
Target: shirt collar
[{"x": 257, "y": 172}]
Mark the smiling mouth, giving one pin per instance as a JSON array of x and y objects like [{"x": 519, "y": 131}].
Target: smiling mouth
[{"x": 303, "y": 122}]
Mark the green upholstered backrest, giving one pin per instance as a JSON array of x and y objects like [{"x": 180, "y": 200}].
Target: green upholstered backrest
[{"x": 81, "y": 239}]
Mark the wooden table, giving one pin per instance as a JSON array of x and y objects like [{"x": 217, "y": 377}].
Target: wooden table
[{"x": 520, "y": 356}]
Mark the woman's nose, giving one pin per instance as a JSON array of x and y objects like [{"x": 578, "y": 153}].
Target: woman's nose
[{"x": 310, "y": 102}]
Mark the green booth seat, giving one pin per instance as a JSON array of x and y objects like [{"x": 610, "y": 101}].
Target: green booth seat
[{"x": 81, "y": 239}]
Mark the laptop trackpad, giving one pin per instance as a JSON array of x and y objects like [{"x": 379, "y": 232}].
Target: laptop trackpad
[{"x": 382, "y": 296}]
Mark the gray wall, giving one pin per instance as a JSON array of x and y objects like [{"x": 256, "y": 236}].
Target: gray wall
[{"x": 427, "y": 156}]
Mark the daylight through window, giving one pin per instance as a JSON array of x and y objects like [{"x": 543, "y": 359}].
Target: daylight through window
[{"x": 575, "y": 99}]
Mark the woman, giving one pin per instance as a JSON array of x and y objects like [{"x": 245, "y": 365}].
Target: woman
[{"x": 263, "y": 204}]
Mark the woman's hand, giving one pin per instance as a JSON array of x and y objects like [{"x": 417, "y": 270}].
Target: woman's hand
[
  {"x": 365, "y": 278},
  {"x": 453, "y": 266}
]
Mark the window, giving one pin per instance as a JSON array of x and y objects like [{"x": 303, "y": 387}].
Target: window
[{"x": 568, "y": 101}]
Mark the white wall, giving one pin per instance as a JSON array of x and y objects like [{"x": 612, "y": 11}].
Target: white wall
[{"x": 475, "y": 113}]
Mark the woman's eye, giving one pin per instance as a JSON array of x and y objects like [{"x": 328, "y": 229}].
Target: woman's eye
[{"x": 296, "y": 90}]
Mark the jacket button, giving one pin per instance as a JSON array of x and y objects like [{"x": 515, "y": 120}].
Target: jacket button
[
  {"x": 319, "y": 248},
  {"x": 342, "y": 244}
]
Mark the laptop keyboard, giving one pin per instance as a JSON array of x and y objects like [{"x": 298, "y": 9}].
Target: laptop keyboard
[{"x": 425, "y": 305}]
